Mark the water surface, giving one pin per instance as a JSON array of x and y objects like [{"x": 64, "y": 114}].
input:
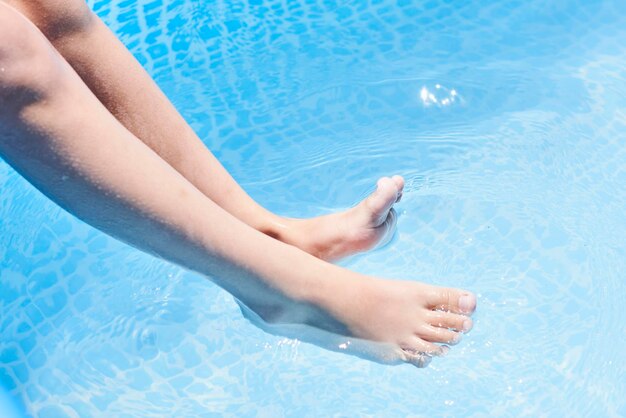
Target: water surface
[{"x": 515, "y": 190}]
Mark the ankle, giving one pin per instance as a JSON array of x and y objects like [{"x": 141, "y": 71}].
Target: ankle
[{"x": 304, "y": 234}]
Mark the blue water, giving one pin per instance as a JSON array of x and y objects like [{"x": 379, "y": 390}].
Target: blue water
[{"x": 508, "y": 121}]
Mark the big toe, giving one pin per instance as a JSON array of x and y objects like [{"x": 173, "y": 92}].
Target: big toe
[
  {"x": 399, "y": 180},
  {"x": 378, "y": 204}
]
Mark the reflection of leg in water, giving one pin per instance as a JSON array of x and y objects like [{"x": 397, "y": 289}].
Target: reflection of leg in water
[{"x": 57, "y": 134}]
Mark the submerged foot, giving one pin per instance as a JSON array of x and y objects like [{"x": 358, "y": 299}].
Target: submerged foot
[
  {"x": 387, "y": 321},
  {"x": 370, "y": 223},
  {"x": 419, "y": 320}
]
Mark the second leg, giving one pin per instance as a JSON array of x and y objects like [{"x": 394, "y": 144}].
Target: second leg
[{"x": 129, "y": 93}]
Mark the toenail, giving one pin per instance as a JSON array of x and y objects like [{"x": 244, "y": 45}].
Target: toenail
[
  {"x": 467, "y": 325},
  {"x": 467, "y": 303}
]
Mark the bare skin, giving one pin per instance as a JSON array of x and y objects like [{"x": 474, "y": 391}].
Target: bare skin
[
  {"x": 146, "y": 112},
  {"x": 58, "y": 135}
]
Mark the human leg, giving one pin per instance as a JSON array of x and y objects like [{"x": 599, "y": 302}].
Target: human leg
[
  {"x": 129, "y": 93},
  {"x": 56, "y": 133}
]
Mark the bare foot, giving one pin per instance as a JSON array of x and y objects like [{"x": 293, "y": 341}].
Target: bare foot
[
  {"x": 331, "y": 237},
  {"x": 387, "y": 321},
  {"x": 417, "y": 319}
]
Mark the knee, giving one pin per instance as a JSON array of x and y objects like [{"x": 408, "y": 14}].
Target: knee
[
  {"x": 56, "y": 18},
  {"x": 27, "y": 61}
]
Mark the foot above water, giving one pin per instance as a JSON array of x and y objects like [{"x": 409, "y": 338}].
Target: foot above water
[{"x": 369, "y": 224}]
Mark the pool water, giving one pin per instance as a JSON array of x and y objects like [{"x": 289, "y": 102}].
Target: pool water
[{"x": 508, "y": 121}]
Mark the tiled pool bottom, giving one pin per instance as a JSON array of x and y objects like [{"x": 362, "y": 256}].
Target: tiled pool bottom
[{"x": 515, "y": 191}]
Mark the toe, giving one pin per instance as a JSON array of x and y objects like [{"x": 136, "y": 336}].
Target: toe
[
  {"x": 400, "y": 185},
  {"x": 450, "y": 320},
  {"x": 380, "y": 202},
  {"x": 419, "y": 345},
  {"x": 440, "y": 335},
  {"x": 453, "y": 300},
  {"x": 417, "y": 359},
  {"x": 420, "y": 352}
]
